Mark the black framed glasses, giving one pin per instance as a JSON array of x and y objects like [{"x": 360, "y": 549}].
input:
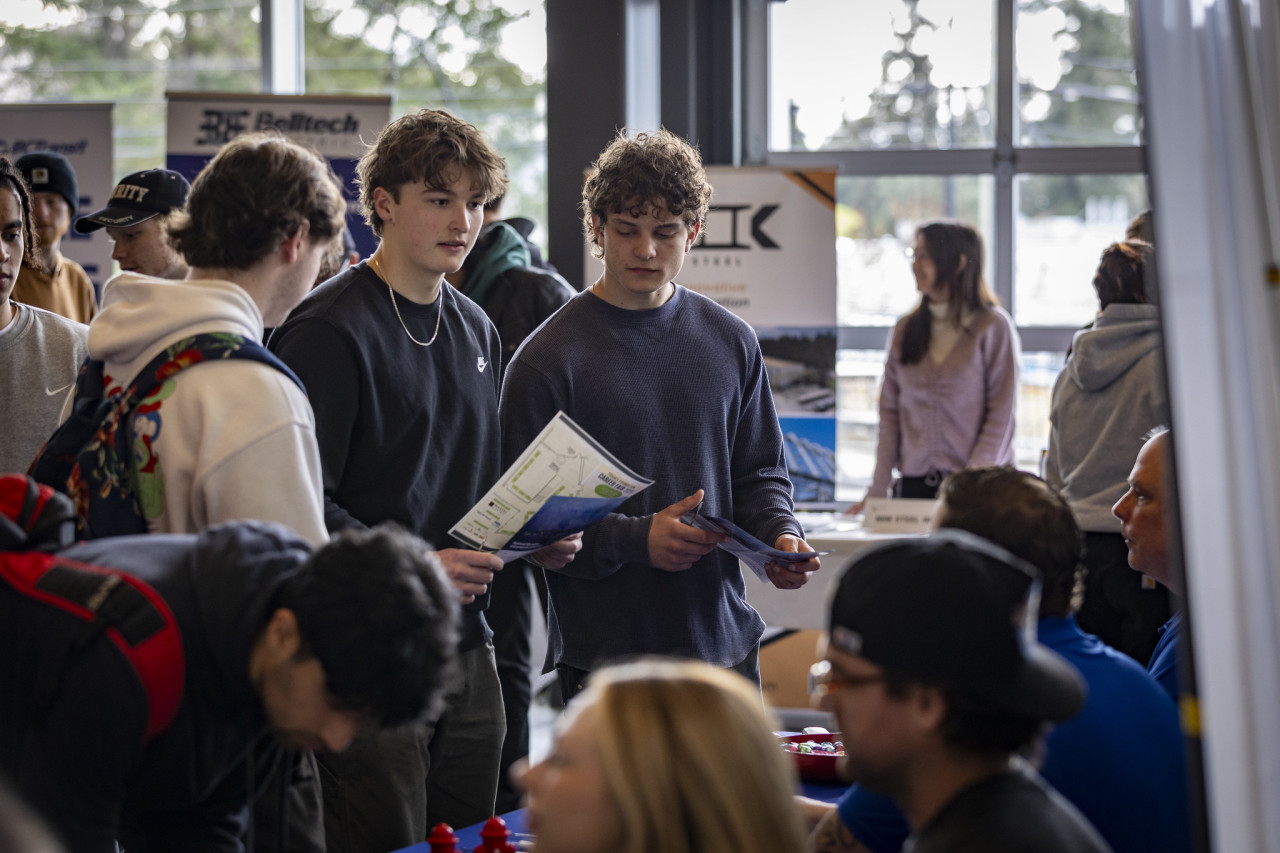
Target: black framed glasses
[{"x": 823, "y": 679}]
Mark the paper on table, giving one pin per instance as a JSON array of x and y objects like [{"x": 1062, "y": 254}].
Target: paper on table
[
  {"x": 743, "y": 545},
  {"x": 564, "y": 481}
]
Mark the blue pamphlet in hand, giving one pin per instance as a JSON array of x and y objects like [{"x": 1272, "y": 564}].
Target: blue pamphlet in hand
[
  {"x": 563, "y": 482},
  {"x": 557, "y": 518},
  {"x": 743, "y": 545}
]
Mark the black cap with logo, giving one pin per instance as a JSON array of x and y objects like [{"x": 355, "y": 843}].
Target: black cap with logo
[
  {"x": 137, "y": 198},
  {"x": 953, "y": 609}
]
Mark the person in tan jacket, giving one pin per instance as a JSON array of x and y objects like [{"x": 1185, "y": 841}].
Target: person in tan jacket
[{"x": 56, "y": 283}]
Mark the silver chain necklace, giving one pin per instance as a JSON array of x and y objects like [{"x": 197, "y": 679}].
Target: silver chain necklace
[{"x": 377, "y": 267}]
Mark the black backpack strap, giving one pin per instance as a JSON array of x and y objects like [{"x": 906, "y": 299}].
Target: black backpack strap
[
  {"x": 34, "y": 517},
  {"x": 131, "y": 613},
  {"x": 91, "y": 456}
]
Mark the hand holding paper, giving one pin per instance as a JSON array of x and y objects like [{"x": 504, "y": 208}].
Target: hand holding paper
[
  {"x": 751, "y": 551},
  {"x": 788, "y": 575},
  {"x": 470, "y": 571},
  {"x": 674, "y": 544},
  {"x": 564, "y": 481},
  {"x": 558, "y": 554}
]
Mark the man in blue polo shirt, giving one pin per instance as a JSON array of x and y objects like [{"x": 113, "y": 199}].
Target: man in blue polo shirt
[
  {"x": 1141, "y": 511},
  {"x": 1120, "y": 760}
]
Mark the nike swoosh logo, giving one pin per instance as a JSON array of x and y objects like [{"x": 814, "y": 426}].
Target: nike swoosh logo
[{"x": 53, "y": 392}]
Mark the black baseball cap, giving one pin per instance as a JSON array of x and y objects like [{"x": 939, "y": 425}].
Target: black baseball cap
[
  {"x": 955, "y": 610},
  {"x": 50, "y": 172},
  {"x": 137, "y": 198}
]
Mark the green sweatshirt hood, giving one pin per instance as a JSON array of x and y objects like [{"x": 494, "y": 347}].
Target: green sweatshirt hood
[{"x": 498, "y": 249}]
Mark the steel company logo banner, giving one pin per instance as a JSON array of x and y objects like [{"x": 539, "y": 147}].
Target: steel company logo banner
[{"x": 337, "y": 126}]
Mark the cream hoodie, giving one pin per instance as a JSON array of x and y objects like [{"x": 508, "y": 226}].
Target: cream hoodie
[{"x": 232, "y": 439}]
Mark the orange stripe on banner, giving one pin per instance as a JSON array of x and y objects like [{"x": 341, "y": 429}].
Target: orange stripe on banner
[{"x": 819, "y": 183}]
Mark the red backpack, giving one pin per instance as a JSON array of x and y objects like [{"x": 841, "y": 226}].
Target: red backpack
[{"x": 35, "y": 521}]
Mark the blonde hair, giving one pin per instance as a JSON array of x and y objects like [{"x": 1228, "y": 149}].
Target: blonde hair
[{"x": 689, "y": 757}]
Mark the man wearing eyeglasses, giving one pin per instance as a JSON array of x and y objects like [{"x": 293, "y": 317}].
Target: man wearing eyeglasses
[
  {"x": 1120, "y": 760},
  {"x": 938, "y": 683}
]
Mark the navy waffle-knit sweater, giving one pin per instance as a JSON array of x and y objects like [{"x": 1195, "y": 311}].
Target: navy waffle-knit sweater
[{"x": 679, "y": 394}]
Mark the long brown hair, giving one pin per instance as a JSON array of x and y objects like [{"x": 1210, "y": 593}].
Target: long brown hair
[{"x": 956, "y": 250}]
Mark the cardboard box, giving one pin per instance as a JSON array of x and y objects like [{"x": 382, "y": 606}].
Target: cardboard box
[{"x": 784, "y": 668}]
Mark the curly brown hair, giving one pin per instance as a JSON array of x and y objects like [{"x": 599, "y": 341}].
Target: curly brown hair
[
  {"x": 256, "y": 192},
  {"x": 652, "y": 170},
  {"x": 10, "y": 175},
  {"x": 430, "y": 147}
]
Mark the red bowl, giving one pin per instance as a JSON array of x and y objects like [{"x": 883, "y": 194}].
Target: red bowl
[{"x": 815, "y": 767}]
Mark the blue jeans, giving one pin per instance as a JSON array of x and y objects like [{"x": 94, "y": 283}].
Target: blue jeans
[{"x": 387, "y": 791}]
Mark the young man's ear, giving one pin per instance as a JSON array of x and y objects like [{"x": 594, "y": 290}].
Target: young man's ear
[
  {"x": 693, "y": 236},
  {"x": 382, "y": 204},
  {"x": 291, "y": 247},
  {"x": 281, "y": 638}
]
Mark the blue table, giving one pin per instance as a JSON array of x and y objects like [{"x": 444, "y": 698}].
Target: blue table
[{"x": 469, "y": 837}]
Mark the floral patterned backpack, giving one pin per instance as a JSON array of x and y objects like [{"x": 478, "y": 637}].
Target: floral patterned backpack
[{"x": 95, "y": 455}]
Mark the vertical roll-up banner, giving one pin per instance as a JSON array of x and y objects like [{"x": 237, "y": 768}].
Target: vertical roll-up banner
[
  {"x": 338, "y": 126},
  {"x": 82, "y": 134},
  {"x": 768, "y": 254}
]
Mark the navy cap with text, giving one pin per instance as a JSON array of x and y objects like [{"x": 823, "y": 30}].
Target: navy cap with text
[{"x": 137, "y": 198}]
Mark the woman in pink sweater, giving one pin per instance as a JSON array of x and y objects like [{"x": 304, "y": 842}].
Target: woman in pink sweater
[{"x": 951, "y": 376}]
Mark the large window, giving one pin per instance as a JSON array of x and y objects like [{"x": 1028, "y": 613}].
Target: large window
[
  {"x": 128, "y": 52},
  {"x": 482, "y": 59},
  {"x": 875, "y": 224},
  {"x": 1018, "y": 116},
  {"x": 881, "y": 74}
]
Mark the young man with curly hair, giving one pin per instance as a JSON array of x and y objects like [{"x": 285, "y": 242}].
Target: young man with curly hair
[
  {"x": 674, "y": 385},
  {"x": 403, "y": 374}
]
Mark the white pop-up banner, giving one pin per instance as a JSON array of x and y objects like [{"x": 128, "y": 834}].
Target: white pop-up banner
[
  {"x": 768, "y": 251},
  {"x": 82, "y": 134},
  {"x": 768, "y": 254},
  {"x": 338, "y": 126}
]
